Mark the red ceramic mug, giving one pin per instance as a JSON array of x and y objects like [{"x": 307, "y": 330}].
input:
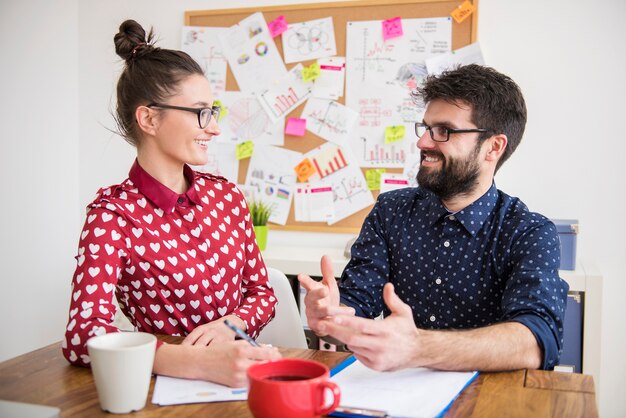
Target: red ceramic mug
[{"x": 292, "y": 388}]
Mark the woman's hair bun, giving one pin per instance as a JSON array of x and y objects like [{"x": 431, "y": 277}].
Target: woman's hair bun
[{"x": 131, "y": 41}]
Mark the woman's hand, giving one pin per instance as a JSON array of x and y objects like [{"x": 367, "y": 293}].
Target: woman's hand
[{"x": 215, "y": 331}]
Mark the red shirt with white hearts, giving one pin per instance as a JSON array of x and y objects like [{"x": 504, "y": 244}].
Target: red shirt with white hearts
[{"x": 174, "y": 261}]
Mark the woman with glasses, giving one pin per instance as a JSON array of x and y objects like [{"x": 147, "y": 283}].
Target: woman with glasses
[{"x": 175, "y": 247}]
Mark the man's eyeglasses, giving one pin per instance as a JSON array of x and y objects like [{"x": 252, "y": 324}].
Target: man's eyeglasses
[
  {"x": 442, "y": 133},
  {"x": 204, "y": 113}
]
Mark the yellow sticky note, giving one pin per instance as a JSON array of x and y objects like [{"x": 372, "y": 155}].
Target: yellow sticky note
[
  {"x": 463, "y": 11},
  {"x": 373, "y": 178},
  {"x": 244, "y": 150},
  {"x": 311, "y": 72},
  {"x": 394, "y": 133},
  {"x": 223, "y": 109},
  {"x": 304, "y": 170}
]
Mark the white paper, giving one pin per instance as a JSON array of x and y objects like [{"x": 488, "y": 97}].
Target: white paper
[
  {"x": 392, "y": 181},
  {"x": 380, "y": 76},
  {"x": 285, "y": 94},
  {"x": 202, "y": 44},
  {"x": 313, "y": 203},
  {"x": 222, "y": 161},
  {"x": 329, "y": 84},
  {"x": 245, "y": 120},
  {"x": 411, "y": 167},
  {"x": 470, "y": 54},
  {"x": 336, "y": 167},
  {"x": 416, "y": 392},
  {"x": 271, "y": 172},
  {"x": 174, "y": 391},
  {"x": 309, "y": 40},
  {"x": 252, "y": 54},
  {"x": 329, "y": 120}
]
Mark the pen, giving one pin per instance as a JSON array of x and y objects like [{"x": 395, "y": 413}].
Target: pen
[
  {"x": 343, "y": 411},
  {"x": 241, "y": 334}
]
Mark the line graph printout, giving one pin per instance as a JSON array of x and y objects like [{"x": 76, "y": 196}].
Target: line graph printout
[
  {"x": 221, "y": 161},
  {"x": 309, "y": 40},
  {"x": 243, "y": 119},
  {"x": 202, "y": 44},
  {"x": 380, "y": 76},
  {"x": 285, "y": 94},
  {"x": 329, "y": 120}
]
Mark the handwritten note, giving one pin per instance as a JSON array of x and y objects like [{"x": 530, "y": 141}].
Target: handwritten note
[
  {"x": 373, "y": 178},
  {"x": 295, "y": 126},
  {"x": 304, "y": 170},
  {"x": 245, "y": 150},
  {"x": 462, "y": 12},
  {"x": 392, "y": 28},
  {"x": 311, "y": 72},
  {"x": 394, "y": 133},
  {"x": 277, "y": 26}
]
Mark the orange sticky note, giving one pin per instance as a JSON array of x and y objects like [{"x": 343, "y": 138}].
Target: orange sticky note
[
  {"x": 463, "y": 11},
  {"x": 304, "y": 170}
]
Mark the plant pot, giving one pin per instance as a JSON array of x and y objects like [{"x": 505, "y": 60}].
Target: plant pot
[{"x": 261, "y": 236}]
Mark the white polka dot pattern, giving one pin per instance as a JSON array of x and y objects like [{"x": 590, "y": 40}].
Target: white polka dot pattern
[
  {"x": 169, "y": 271},
  {"x": 491, "y": 262}
]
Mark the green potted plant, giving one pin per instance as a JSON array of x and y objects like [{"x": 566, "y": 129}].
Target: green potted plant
[{"x": 260, "y": 212}]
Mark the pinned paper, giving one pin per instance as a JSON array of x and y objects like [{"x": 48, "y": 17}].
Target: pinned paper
[
  {"x": 304, "y": 170},
  {"x": 373, "y": 178},
  {"x": 394, "y": 133},
  {"x": 392, "y": 28},
  {"x": 245, "y": 150},
  {"x": 277, "y": 26},
  {"x": 463, "y": 11},
  {"x": 295, "y": 127},
  {"x": 223, "y": 109},
  {"x": 311, "y": 72}
]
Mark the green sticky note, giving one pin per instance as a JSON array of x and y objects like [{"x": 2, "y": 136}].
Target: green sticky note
[
  {"x": 394, "y": 133},
  {"x": 223, "y": 109},
  {"x": 245, "y": 150},
  {"x": 311, "y": 72},
  {"x": 373, "y": 178}
]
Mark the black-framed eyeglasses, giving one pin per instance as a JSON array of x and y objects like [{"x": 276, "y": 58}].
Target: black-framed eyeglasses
[
  {"x": 442, "y": 133},
  {"x": 204, "y": 113}
]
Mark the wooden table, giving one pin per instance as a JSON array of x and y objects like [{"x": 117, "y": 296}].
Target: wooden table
[{"x": 44, "y": 377}]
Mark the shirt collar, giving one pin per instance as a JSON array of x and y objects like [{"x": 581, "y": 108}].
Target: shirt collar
[
  {"x": 162, "y": 196},
  {"x": 472, "y": 217}
]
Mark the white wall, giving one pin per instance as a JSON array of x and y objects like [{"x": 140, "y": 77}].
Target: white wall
[
  {"x": 566, "y": 56},
  {"x": 39, "y": 213}
]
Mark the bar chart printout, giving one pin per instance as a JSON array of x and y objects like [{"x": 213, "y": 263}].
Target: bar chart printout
[{"x": 329, "y": 161}]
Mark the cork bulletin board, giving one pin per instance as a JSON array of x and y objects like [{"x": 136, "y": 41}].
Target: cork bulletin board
[{"x": 342, "y": 12}]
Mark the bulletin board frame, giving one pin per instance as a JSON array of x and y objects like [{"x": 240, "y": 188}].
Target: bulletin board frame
[{"x": 463, "y": 34}]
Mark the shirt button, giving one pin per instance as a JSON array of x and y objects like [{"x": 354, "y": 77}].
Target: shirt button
[
  {"x": 438, "y": 281},
  {"x": 432, "y": 318},
  {"x": 181, "y": 200},
  {"x": 452, "y": 217},
  {"x": 446, "y": 244}
]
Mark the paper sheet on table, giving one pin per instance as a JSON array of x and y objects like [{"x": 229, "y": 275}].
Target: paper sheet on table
[
  {"x": 174, "y": 391},
  {"x": 416, "y": 392}
]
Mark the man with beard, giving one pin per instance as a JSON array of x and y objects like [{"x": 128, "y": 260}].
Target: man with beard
[{"x": 466, "y": 277}]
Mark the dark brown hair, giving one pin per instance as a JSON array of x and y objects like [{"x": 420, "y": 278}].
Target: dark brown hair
[
  {"x": 151, "y": 74},
  {"x": 496, "y": 101}
]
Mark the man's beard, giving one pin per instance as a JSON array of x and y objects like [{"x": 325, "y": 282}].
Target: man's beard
[{"x": 455, "y": 177}]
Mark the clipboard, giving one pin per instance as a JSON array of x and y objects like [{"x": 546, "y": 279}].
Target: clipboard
[{"x": 408, "y": 393}]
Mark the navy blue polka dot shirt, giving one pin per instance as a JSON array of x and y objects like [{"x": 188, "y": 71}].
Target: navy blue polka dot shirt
[{"x": 493, "y": 261}]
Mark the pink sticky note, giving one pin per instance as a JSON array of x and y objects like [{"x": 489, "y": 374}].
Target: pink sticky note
[
  {"x": 295, "y": 127},
  {"x": 392, "y": 28},
  {"x": 277, "y": 26}
]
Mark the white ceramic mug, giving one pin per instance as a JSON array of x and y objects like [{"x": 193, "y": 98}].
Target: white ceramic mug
[{"x": 121, "y": 363}]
